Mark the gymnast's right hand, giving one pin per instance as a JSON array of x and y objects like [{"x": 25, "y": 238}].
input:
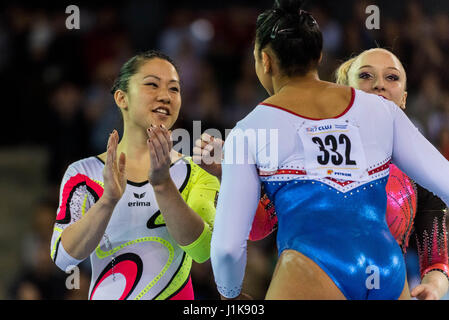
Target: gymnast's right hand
[
  {"x": 114, "y": 174},
  {"x": 208, "y": 153}
]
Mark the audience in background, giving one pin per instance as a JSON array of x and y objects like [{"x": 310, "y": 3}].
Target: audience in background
[{"x": 53, "y": 75}]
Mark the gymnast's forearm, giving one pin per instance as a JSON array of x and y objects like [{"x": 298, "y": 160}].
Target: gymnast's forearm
[
  {"x": 82, "y": 237},
  {"x": 183, "y": 224},
  {"x": 431, "y": 240}
]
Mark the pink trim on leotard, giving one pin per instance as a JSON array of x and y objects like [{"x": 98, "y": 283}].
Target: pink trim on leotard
[
  {"x": 128, "y": 269},
  {"x": 186, "y": 292}
]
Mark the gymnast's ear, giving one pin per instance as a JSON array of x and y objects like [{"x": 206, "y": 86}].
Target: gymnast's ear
[
  {"x": 267, "y": 61},
  {"x": 121, "y": 99}
]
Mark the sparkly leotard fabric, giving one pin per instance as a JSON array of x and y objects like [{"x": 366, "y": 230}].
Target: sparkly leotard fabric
[
  {"x": 328, "y": 187},
  {"x": 137, "y": 258}
]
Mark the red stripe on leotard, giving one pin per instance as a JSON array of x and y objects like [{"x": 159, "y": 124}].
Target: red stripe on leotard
[
  {"x": 70, "y": 186},
  {"x": 351, "y": 102}
]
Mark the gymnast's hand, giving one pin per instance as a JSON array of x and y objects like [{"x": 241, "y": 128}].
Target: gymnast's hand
[
  {"x": 433, "y": 286},
  {"x": 208, "y": 152},
  {"x": 114, "y": 174},
  {"x": 159, "y": 145}
]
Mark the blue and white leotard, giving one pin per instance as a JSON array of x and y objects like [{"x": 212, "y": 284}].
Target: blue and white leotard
[{"x": 327, "y": 180}]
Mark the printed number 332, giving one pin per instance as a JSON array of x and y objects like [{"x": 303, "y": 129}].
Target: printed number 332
[{"x": 330, "y": 142}]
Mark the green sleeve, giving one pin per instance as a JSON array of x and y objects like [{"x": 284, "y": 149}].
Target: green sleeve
[{"x": 202, "y": 199}]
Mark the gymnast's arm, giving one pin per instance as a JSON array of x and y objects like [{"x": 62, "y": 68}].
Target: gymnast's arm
[
  {"x": 237, "y": 203},
  {"x": 80, "y": 224},
  {"x": 209, "y": 147},
  {"x": 418, "y": 158},
  {"x": 431, "y": 240}
]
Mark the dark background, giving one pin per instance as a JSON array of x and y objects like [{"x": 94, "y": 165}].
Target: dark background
[{"x": 56, "y": 105}]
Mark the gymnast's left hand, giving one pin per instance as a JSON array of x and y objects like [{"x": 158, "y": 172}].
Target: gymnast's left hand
[
  {"x": 159, "y": 146},
  {"x": 433, "y": 287}
]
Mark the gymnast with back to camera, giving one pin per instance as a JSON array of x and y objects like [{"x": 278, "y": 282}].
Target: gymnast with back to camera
[{"x": 335, "y": 145}]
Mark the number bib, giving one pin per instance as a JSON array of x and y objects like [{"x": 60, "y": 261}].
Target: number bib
[{"x": 333, "y": 148}]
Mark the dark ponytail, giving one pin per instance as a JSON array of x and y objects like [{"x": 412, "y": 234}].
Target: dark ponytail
[{"x": 293, "y": 34}]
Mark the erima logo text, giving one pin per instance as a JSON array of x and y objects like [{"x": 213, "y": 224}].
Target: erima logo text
[{"x": 139, "y": 203}]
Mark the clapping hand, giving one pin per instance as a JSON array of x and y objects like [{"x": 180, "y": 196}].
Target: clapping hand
[
  {"x": 114, "y": 174},
  {"x": 159, "y": 145}
]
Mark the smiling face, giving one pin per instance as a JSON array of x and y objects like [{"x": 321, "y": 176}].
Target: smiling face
[
  {"x": 153, "y": 95},
  {"x": 378, "y": 71}
]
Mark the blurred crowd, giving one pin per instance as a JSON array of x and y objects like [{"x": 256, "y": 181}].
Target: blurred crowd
[{"x": 57, "y": 83}]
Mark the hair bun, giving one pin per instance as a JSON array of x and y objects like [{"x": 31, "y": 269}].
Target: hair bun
[{"x": 289, "y": 6}]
